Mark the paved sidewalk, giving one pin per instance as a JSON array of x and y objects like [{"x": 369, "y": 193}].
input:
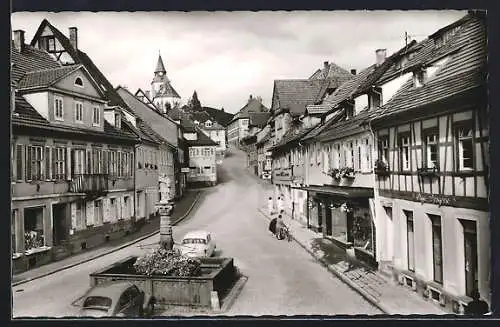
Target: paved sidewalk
[
  {"x": 182, "y": 210},
  {"x": 390, "y": 298}
]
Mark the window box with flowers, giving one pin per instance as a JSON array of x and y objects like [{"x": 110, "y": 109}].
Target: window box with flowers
[
  {"x": 381, "y": 168},
  {"x": 427, "y": 172},
  {"x": 334, "y": 173},
  {"x": 347, "y": 172},
  {"x": 34, "y": 243}
]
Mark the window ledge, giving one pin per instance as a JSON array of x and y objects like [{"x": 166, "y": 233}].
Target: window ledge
[{"x": 37, "y": 250}]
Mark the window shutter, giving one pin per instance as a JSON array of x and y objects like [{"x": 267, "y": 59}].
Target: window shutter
[
  {"x": 28, "y": 162},
  {"x": 70, "y": 163},
  {"x": 19, "y": 161},
  {"x": 46, "y": 162},
  {"x": 89, "y": 162},
  {"x": 56, "y": 156},
  {"x": 105, "y": 165}
]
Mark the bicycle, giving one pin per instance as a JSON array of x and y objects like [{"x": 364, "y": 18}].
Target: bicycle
[{"x": 284, "y": 233}]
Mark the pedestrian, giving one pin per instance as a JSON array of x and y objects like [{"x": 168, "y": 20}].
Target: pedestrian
[
  {"x": 477, "y": 306},
  {"x": 270, "y": 205},
  {"x": 280, "y": 203},
  {"x": 279, "y": 225},
  {"x": 272, "y": 226}
]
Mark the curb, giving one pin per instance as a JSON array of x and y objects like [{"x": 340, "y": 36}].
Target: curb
[
  {"x": 229, "y": 300},
  {"x": 341, "y": 276},
  {"x": 110, "y": 251}
]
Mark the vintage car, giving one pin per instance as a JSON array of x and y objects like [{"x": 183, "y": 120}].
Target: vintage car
[
  {"x": 198, "y": 244},
  {"x": 116, "y": 299}
]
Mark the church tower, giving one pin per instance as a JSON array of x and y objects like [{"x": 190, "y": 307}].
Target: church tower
[{"x": 163, "y": 94}]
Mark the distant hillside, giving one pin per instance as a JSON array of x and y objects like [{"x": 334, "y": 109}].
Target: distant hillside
[{"x": 222, "y": 117}]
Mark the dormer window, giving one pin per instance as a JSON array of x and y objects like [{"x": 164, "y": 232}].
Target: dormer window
[
  {"x": 79, "y": 82},
  {"x": 349, "y": 112},
  {"x": 419, "y": 77},
  {"x": 402, "y": 62},
  {"x": 446, "y": 36},
  {"x": 208, "y": 123},
  {"x": 375, "y": 98},
  {"x": 118, "y": 121}
]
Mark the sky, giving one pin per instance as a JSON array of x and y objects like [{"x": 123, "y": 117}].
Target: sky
[{"x": 226, "y": 56}]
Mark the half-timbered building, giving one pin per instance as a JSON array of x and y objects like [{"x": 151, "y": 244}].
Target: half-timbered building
[{"x": 432, "y": 169}]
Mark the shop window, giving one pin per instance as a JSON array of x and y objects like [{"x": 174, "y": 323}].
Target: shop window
[
  {"x": 437, "y": 248},
  {"x": 410, "y": 239},
  {"x": 404, "y": 152},
  {"x": 33, "y": 228},
  {"x": 431, "y": 151},
  {"x": 465, "y": 151},
  {"x": 363, "y": 229}
]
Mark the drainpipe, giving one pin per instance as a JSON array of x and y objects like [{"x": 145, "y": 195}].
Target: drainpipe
[
  {"x": 135, "y": 184},
  {"x": 375, "y": 189}
]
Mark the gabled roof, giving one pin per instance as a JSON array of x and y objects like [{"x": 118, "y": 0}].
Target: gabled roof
[
  {"x": 26, "y": 116},
  {"x": 146, "y": 114},
  {"x": 202, "y": 117},
  {"x": 220, "y": 116},
  {"x": 335, "y": 73},
  {"x": 81, "y": 57},
  {"x": 295, "y": 95},
  {"x": 363, "y": 81},
  {"x": 318, "y": 129},
  {"x": 201, "y": 140},
  {"x": 343, "y": 128},
  {"x": 29, "y": 59},
  {"x": 258, "y": 119},
  {"x": 253, "y": 105},
  {"x": 25, "y": 113},
  {"x": 142, "y": 95},
  {"x": 465, "y": 70},
  {"x": 292, "y": 135}
]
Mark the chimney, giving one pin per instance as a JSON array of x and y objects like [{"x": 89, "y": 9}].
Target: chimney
[
  {"x": 353, "y": 71},
  {"x": 380, "y": 56},
  {"x": 148, "y": 95},
  {"x": 326, "y": 67},
  {"x": 250, "y": 98},
  {"x": 73, "y": 37},
  {"x": 19, "y": 39}
]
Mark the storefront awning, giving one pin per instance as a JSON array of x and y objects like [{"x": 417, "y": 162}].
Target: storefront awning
[{"x": 341, "y": 191}]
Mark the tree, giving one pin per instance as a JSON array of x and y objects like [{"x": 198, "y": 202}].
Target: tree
[{"x": 194, "y": 103}]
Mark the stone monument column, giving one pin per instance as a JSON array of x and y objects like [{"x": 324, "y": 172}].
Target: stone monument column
[{"x": 165, "y": 209}]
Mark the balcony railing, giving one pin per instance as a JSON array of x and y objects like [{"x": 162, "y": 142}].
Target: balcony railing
[{"x": 89, "y": 183}]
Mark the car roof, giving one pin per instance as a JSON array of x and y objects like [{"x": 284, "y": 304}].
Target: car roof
[
  {"x": 111, "y": 290},
  {"x": 196, "y": 234}
]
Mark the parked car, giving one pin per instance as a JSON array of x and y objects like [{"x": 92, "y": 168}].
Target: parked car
[
  {"x": 198, "y": 244},
  {"x": 117, "y": 299}
]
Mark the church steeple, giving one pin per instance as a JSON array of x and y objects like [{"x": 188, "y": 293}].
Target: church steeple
[{"x": 160, "y": 68}]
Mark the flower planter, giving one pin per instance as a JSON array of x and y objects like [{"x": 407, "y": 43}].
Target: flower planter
[
  {"x": 427, "y": 172},
  {"x": 217, "y": 274}
]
